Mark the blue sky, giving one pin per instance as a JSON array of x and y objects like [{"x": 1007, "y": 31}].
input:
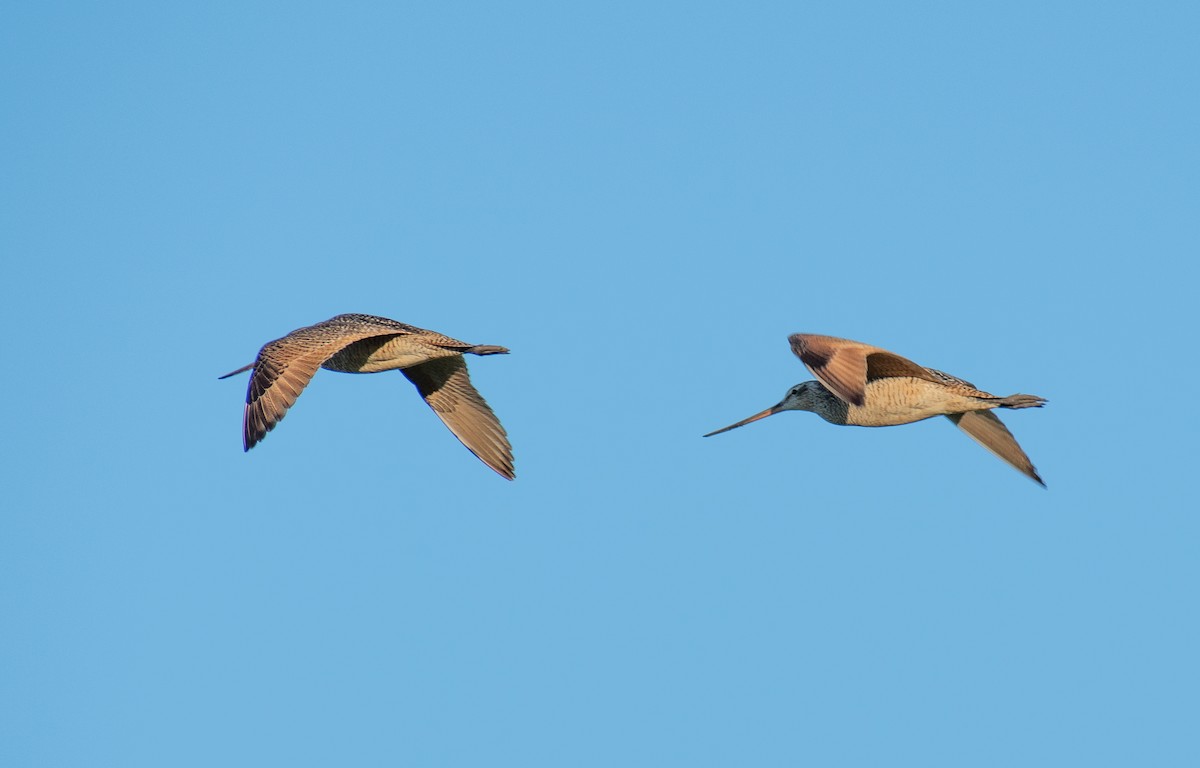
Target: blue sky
[{"x": 640, "y": 200}]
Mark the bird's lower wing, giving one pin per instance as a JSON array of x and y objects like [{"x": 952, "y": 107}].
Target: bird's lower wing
[
  {"x": 985, "y": 428},
  {"x": 446, "y": 387},
  {"x": 274, "y": 387}
]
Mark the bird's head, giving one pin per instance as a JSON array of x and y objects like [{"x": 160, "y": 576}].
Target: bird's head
[{"x": 801, "y": 397}]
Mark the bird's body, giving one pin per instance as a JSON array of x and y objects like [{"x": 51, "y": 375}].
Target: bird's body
[
  {"x": 865, "y": 386},
  {"x": 893, "y": 401},
  {"x": 368, "y": 344}
]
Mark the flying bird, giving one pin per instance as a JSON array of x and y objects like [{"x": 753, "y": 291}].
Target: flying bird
[
  {"x": 367, "y": 344},
  {"x": 865, "y": 386}
]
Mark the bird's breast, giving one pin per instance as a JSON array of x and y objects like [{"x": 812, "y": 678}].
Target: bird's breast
[{"x": 902, "y": 400}]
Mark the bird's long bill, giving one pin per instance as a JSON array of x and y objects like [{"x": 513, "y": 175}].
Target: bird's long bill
[
  {"x": 774, "y": 409},
  {"x": 235, "y": 373}
]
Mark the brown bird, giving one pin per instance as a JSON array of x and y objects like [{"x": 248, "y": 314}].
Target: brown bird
[
  {"x": 368, "y": 344},
  {"x": 864, "y": 386}
]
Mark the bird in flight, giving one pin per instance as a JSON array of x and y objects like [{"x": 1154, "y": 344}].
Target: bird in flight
[
  {"x": 367, "y": 344},
  {"x": 865, "y": 386}
]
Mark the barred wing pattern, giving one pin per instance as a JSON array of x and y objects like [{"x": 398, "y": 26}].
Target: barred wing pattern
[
  {"x": 446, "y": 386},
  {"x": 285, "y": 366}
]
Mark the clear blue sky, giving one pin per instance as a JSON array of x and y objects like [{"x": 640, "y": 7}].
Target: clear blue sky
[{"x": 641, "y": 200}]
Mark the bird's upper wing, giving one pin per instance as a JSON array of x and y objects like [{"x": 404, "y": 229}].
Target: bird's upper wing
[
  {"x": 985, "y": 428},
  {"x": 285, "y": 366},
  {"x": 446, "y": 387},
  {"x": 845, "y": 366}
]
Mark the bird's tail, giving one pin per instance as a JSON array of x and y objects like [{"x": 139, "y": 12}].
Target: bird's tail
[
  {"x": 1022, "y": 401},
  {"x": 487, "y": 349}
]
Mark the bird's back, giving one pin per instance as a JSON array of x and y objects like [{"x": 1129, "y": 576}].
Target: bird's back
[{"x": 392, "y": 344}]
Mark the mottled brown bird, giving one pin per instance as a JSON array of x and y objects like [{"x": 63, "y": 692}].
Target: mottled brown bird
[
  {"x": 865, "y": 386},
  {"x": 369, "y": 344}
]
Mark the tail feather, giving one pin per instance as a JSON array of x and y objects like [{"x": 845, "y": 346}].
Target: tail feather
[
  {"x": 1022, "y": 401},
  {"x": 487, "y": 349}
]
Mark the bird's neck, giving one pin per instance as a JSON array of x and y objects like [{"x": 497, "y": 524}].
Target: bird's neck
[{"x": 829, "y": 406}]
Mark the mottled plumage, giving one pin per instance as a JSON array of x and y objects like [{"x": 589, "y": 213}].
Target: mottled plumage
[
  {"x": 861, "y": 385},
  {"x": 367, "y": 344}
]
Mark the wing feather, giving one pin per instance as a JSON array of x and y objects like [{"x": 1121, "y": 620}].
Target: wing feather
[
  {"x": 845, "y": 366},
  {"x": 446, "y": 386},
  {"x": 985, "y": 428},
  {"x": 284, "y": 367}
]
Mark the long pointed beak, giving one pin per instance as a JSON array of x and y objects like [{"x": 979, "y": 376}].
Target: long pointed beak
[
  {"x": 239, "y": 370},
  {"x": 774, "y": 409}
]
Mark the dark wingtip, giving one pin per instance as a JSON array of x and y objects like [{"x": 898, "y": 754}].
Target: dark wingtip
[{"x": 507, "y": 472}]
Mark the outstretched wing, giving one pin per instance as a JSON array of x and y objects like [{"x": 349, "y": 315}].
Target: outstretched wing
[
  {"x": 845, "y": 366},
  {"x": 285, "y": 366},
  {"x": 446, "y": 387},
  {"x": 985, "y": 428}
]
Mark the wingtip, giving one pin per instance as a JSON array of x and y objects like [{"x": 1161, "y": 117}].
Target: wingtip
[{"x": 507, "y": 472}]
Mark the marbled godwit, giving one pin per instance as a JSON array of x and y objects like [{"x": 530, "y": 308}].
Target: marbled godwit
[
  {"x": 367, "y": 344},
  {"x": 864, "y": 386}
]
